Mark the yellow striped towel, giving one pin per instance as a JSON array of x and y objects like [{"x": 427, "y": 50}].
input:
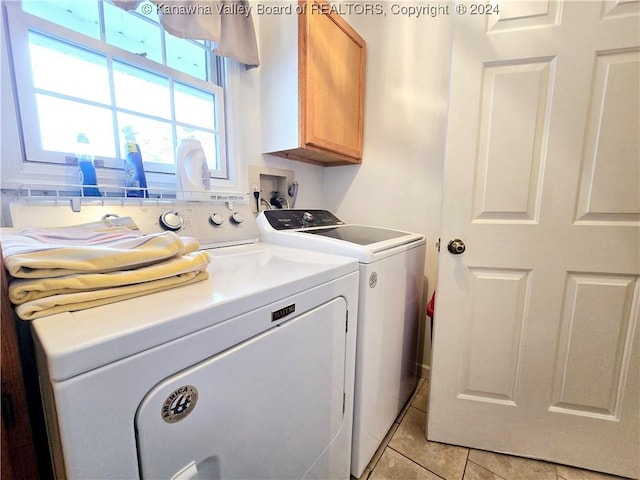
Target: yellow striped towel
[
  {"x": 46, "y": 253},
  {"x": 72, "y": 268},
  {"x": 82, "y": 300},
  {"x": 22, "y": 290}
]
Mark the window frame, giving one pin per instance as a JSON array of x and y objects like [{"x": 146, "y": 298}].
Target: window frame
[{"x": 34, "y": 159}]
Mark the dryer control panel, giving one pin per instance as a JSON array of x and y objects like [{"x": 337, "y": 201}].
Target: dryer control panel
[
  {"x": 296, "y": 219},
  {"x": 219, "y": 222}
]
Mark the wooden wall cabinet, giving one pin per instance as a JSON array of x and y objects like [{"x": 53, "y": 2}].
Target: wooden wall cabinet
[{"x": 312, "y": 81}]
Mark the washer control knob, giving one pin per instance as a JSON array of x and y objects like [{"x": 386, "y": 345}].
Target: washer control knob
[
  {"x": 307, "y": 217},
  {"x": 171, "y": 220},
  {"x": 237, "y": 218},
  {"x": 216, "y": 218}
]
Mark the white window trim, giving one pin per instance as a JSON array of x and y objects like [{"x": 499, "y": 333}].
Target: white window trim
[{"x": 17, "y": 172}]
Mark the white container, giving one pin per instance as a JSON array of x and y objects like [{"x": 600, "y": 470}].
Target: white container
[{"x": 192, "y": 171}]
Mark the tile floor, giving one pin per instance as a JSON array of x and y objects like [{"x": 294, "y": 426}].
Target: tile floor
[{"x": 405, "y": 454}]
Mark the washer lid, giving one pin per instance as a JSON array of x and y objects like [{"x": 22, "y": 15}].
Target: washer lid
[
  {"x": 366, "y": 243},
  {"x": 358, "y": 234}
]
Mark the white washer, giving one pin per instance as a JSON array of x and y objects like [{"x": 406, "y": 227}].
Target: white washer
[
  {"x": 248, "y": 374},
  {"x": 391, "y": 283}
]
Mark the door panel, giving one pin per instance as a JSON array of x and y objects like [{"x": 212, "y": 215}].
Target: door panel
[
  {"x": 611, "y": 149},
  {"x": 594, "y": 344},
  {"x": 536, "y": 334},
  {"x": 523, "y": 15},
  {"x": 494, "y": 335},
  {"x": 511, "y": 150}
]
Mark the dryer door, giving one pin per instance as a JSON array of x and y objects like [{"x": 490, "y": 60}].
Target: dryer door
[{"x": 266, "y": 408}]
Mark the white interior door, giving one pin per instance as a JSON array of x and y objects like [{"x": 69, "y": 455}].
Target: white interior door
[{"x": 536, "y": 338}]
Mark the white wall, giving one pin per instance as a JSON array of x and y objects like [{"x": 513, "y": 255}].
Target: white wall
[
  {"x": 244, "y": 138},
  {"x": 399, "y": 183}
]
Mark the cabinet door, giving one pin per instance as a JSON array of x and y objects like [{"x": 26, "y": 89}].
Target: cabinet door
[{"x": 332, "y": 70}]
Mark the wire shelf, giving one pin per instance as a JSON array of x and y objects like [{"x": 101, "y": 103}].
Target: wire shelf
[{"x": 111, "y": 194}]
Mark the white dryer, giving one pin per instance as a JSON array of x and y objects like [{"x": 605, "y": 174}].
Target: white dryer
[
  {"x": 390, "y": 293},
  {"x": 248, "y": 374}
]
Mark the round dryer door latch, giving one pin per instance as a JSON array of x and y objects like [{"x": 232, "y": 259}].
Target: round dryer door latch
[{"x": 373, "y": 280}]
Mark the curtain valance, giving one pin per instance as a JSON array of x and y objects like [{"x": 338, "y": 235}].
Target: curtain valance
[{"x": 226, "y": 22}]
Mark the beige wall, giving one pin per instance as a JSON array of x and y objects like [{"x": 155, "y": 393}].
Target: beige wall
[{"x": 399, "y": 183}]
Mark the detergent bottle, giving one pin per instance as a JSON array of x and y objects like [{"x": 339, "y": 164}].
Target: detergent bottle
[
  {"x": 192, "y": 171},
  {"x": 86, "y": 169},
  {"x": 135, "y": 179}
]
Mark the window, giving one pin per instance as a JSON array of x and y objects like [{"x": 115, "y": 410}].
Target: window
[{"x": 86, "y": 66}]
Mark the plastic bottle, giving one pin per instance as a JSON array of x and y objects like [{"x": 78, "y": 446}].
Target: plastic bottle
[
  {"x": 194, "y": 182},
  {"x": 86, "y": 169},
  {"x": 135, "y": 179}
]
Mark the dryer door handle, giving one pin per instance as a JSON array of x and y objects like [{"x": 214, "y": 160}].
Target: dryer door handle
[{"x": 189, "y": 472}]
